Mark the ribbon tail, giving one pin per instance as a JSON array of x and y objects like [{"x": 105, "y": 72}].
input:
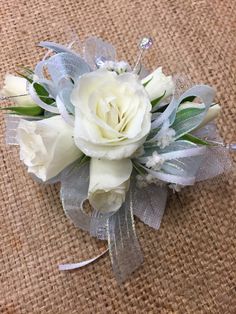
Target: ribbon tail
[
  {"x": 124, "y": 249},
  {"x": 72, "y": 266},
  {"x": 149, "y": 204}
]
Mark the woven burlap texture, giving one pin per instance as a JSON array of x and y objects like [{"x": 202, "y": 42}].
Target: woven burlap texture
[{"x": 190, "y": 263}]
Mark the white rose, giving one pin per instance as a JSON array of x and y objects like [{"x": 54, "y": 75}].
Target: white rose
[
  {"x": 15, "y": 85},
  {"x": 211, "y": 114},
  {"x": 109, "y": 182},
  {"x": 112, "y": 114},
  {"x": 46, "y": 146},
  {"x": 157, "y": 84}
]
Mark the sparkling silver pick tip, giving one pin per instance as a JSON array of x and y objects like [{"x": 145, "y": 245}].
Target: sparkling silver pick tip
[
  {"x": 146, "y": 43},
  {"x": 232, "y": 147}
]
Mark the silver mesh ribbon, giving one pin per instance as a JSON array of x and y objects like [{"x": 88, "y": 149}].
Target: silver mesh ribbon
[
  {"x": 12, "y": 121},
  {"x": 149, "y": 204},
  {"x": 118, "y": 228},
  {"x": 216, "y": 160},
  {"x": 99, "y": 225},
  {"x": 95, "y": 48},
  {"x": 124, "y": 249},
  {"x": 74, "y": 191}
]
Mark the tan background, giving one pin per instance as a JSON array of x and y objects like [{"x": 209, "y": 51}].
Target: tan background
[{"x": 190, "y": 263}]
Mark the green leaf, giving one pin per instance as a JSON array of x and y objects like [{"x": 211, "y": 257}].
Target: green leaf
[
  {"x": 145, "y": 84},
  {"x": 39, "y": 89},
  {"x": 84, "y": 159},
  {"x": 193, "y": 139},
  {"x": 43, "y": 94},
  {"x": 186, "y": 120},
  {"x": 140, "y": 170},
  {"x": 157, "y": 100},
  {"x": 26, "y": 111},
  {"x": 189, "y": 98},
  {"x": 25, "y": 77},
  {"x": 26, "y": 73},
  {"x": 25, "y": 69}
]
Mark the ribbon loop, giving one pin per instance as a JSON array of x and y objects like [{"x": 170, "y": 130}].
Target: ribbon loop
[
  {"x": 74, "y": 191},
  {"x": 99, "y": 225}
]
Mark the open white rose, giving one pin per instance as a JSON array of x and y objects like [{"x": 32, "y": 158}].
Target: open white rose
[
  {"x": 112, "y": 114},
  {"x": 157, "y": 84},
  {"x": 109, "y": 182},
  {"x": 46, "y": 146},
  {"x": 15, "y": 85}
]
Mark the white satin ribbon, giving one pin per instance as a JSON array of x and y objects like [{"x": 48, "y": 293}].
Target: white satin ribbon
[
  {"x": 170, "y": 178},
  {"x": 82, "y": 263},
  {"x": 190, "y": 152}
]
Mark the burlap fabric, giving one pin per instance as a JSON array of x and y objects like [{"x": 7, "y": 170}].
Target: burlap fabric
[{"x": 190, "y": 263}]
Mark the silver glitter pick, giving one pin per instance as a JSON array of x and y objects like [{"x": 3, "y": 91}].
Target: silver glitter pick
[{"x": 146, "y": 43}]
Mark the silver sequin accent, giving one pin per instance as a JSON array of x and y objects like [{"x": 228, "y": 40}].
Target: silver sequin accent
[{"x": 146, "y": 43}]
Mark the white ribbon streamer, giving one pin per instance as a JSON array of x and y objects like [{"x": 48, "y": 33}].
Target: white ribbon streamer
[
  {"x": 82, "y": 263},
  {"x": 190, "y": 152},
  {"x": 184, "y": 153},
  {"x": 170, "y": 178}
]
